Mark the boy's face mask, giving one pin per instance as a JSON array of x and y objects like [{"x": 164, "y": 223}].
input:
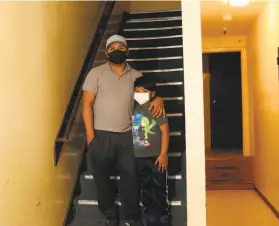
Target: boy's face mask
[{"x": 141, "y": 98}]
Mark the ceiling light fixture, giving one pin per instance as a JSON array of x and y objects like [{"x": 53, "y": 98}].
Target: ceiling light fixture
[{"x": 238, "y": 3}]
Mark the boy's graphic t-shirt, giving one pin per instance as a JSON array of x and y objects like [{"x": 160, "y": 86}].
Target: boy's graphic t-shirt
[{"x": 146, "y": 132}]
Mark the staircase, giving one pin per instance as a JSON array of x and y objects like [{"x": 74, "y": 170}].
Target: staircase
[{"x": 155, "y": 43}]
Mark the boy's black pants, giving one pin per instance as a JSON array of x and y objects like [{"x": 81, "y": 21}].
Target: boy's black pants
[
  {"x": 154, "y": 190},
  {"x": 105, "y": 151}
]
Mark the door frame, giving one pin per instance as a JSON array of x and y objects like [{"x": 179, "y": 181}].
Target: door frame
[{"x": 246, "y": 133}]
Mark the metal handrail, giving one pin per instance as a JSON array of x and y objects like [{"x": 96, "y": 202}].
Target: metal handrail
[{"x": 73, "y": 104}]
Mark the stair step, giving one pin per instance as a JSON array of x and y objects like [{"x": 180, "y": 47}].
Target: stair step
[
  {"x": 170, "y": 177},
  {"x": 152, "y": 32},
  {"x": 89, "y": 215},
  {"x": 155, "y": 24},
  {"x": 95, "y": 202},
  {"x": 174, "y": 76},
  {"x": 157, "y": 64},
  {"x": 171, "y": 18},
  {"x": 175, "y": 162},
  {"x": 173, "y": 106},
  {"x": 177, "y": 123},
  {"x": 176, "y": 187},
  {"x": 163, "y": 52},
  {"x": 154, "y": 14},
  {"x": 170, "y": 91},
  {"x": 155, "y": 42}
]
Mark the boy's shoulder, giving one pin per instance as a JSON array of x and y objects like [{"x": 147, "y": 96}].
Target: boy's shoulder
[
  {"x": 142, "y": 108},
  {"x": 144, "y": 111}
]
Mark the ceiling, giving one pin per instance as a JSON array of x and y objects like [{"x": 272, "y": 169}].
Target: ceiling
[{"x": 242, "y": 17}]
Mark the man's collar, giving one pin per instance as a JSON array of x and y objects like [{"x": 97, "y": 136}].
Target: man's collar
[{"x": 128, "y": 67}]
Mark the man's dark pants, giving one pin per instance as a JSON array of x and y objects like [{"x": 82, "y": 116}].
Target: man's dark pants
[{"x": 105, "y": 151}]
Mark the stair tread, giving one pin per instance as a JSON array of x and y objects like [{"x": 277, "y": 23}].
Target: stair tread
[
  {"x": 153, "y": 14},
  {"x": 159, "y": 52},
  {"x": 87, "y": 215},
  {"x": 176, "y": 188},
  {"x": 152, "y": 32}
]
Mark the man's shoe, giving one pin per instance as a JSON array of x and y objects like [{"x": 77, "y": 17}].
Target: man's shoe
[
  {"x": 165, "y": 220},
  {"x": 112, "y": 222},
  {"x": 151, "y": 221},
  {"x": 133, "y": 223}
]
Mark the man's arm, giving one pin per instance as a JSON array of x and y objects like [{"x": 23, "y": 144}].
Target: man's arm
[
  {"x": 87, "y": 114},
  {"x": 90, "y": 90}
]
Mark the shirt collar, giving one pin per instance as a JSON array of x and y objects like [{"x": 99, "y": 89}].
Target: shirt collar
[{"x": 128, "y": 67}]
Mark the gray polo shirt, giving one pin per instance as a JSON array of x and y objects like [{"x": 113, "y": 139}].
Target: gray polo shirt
[{"x": 114, "y": 97}]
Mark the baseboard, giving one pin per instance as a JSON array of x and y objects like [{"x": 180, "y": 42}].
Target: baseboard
[{"x": 267, "y": 202}]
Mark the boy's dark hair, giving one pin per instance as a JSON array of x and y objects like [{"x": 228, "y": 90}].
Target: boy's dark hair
[{"x": 146, "y": 82}]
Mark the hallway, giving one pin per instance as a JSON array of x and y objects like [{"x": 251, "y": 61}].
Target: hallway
[{"x": 238, "y": 208}]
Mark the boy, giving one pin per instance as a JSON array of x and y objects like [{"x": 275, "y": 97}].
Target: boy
[{"x": 151, "y": 140}]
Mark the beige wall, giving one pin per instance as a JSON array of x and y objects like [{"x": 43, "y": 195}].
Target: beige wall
[
  {"x": 43, "y": 46},
  {"x": 263, "y": 41},
  {"x": 146, "y": 6},
  {"x": 223, "y": 42},
  {"x": 121, "y": 6}
]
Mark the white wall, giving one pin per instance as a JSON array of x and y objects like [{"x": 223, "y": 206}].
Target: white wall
[{"x": 194, "y": 113}]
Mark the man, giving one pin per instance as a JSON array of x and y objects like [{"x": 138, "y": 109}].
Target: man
[{"x": 109, "y": 90}]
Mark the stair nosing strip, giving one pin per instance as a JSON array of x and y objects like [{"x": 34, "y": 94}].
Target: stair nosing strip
[
  {"x": 173, "y": 134},
  {"x": 172, "y": 98},
  {"x": 95, "y": 202},
  {"x": 169, "y": 84},
  {"x": 172, "y": 18},
  {"x": 170, "y": 177},
  {"x": 155, "y": 47},
  {"x": 160, "y": 11},
  {"x": 174, "y": 154},
  {"x": 175, "y": 115},
  {"x": 161, "y": 70},
  {"x": 155, "y": 58},
  {"x": 151, "y": 38},
  {"x": 153, "y": 28}
]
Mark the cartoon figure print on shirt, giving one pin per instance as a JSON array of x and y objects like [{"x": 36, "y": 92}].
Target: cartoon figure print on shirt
[{"x": 141, "y": 123}]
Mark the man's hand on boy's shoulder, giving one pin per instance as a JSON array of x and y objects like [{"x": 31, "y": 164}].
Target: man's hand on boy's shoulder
[{"x": 157, "y": 107}]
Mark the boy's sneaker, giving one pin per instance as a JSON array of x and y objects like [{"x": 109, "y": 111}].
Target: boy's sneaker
[
  {"x": 165, "y": 220},
  {"x": 133, "y": 223},
  {"x": 151, "y": 221}
]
